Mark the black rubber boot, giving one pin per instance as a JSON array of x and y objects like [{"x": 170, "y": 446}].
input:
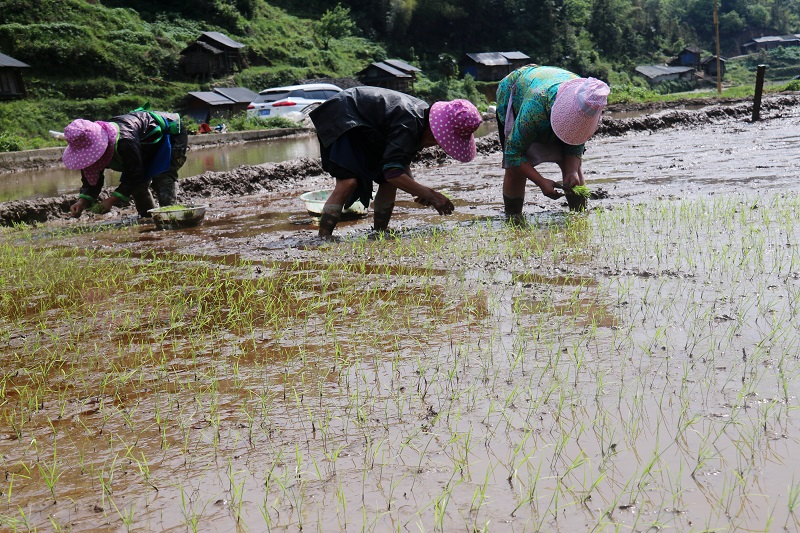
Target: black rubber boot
[
  {"x": 513, "y": 209},
  {"x": 382, "y": 217},
  {"x": 144, "y": 201},
  {"x": 331, "y": 213}
]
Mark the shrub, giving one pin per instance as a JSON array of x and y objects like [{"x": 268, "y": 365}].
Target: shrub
[
  {"x": 242, "y": 122},
  {"x": 10, "y": 142},
  {"x": 279, "y": 122}
]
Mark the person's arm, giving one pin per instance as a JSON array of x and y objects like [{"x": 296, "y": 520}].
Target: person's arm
[
  {"x": 525, "y": 170},
  {"x": 422, "y": 194},
  {"x": 87, "y": 196},
  {"x": 571, "y": 171}
]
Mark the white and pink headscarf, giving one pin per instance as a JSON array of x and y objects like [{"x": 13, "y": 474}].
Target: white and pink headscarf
[{"x": 576, "y": 112}]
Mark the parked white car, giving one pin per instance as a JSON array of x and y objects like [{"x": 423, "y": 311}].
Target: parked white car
[{"x": 281, "y": 101}]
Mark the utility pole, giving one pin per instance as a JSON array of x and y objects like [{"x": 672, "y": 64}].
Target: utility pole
[{"x": 716, "y": 32}]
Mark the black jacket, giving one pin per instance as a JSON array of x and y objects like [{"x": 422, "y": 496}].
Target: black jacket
[{"x": 394, "y": 121}]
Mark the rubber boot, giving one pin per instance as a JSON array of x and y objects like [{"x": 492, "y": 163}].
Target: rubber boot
[
  {"x": 166, "y": 189},
  {"x": 513, "y": 210},
  {"x": 331, "y": 213},
  {"x": 144, "y": 201},
  {"x": 382, "y": 216}
]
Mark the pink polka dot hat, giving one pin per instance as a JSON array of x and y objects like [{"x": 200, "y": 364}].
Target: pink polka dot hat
[
  {"x": 453, "y": 125},
  {"x": 86, "y": 143},
  {"x": 90, "y": 146},
  {"x": 577, "y": 109}
]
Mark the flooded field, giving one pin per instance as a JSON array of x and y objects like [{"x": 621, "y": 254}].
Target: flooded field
[
  {"x": 56, "y": 180},
  {"x": 635, "y": 367}
]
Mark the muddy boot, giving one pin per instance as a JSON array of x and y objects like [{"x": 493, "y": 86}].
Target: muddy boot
[
  {"x": 331, "y": 213},
  {"x": 166, "y": 188},
  {"x": 513, "y": 210},
  {"x": 382, "y": 216},
  {"x": 144, "y": 201}
]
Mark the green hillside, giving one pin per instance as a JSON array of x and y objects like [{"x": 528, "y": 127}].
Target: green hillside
[{"x": 95, "y": 60}]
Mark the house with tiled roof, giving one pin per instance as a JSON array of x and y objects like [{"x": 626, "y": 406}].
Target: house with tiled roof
[{"x": 11, "y": 82}]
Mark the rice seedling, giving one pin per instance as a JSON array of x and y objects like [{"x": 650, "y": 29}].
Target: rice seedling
[{"x": 586, "y": 371}]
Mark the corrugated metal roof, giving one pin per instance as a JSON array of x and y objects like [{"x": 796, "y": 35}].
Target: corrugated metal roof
[
  {"x": 713, "y": 58},
  {"x": 490, "y": 59},
  {"x": 8, "y": 61},
  {"x": 401, "y": 65},
  {"x": 772, "y": 39},
  {"x": 494, "y": 59},
  {"x": 205, "y": 46},
  {"x": 391, "y": 70},
  {"x": 515, "y": 55},
  {"x": 237, "y": 94},
  {"x": 211, "y": 98},
  {"x": 222, "y": 39},
  {"x": 653, "y": 71}
]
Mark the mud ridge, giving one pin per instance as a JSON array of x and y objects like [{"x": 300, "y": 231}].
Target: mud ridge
[{"x": 254, "y": 179}]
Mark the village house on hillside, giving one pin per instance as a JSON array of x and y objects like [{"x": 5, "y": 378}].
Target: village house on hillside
[
  {"x": 390, "y": 74},
  {"x": 220, "y": 102},
  {"x": 688, "y": 57},
  {"x": 769, "y": 42},
  {"x": 709, "y": 66},
  {"x": 656, "y": 74},
  {"x": 492, "y": 66},
  {"x": 11, "y": 83},
  {"x": 212, "y": 54}
]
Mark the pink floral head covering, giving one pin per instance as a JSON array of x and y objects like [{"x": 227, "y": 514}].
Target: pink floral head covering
[
  {"x": 90, "y": 147},
  {"x": 577, "y": 109},
  {"x": 453, "y": 125}
]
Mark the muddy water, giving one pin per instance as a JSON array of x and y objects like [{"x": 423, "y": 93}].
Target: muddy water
[
  {"x": 56, "y": 181},
  {"x": 633, "y": 368}
]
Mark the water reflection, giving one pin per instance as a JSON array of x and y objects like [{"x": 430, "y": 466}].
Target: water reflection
[{"x": 58, "y": 180}]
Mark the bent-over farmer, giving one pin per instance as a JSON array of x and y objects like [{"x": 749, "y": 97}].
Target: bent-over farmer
[
  {"x": 370, "y": 134},
  {"x": 147, "y": 147},
  {"x": 545, "y": 114}
]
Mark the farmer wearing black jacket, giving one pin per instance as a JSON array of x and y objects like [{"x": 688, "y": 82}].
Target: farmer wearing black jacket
[
  {"x": 370, "y": 135},
  {"x": 147, "y": 147}
]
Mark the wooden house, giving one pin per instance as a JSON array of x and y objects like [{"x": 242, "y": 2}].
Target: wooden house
[
  {"x": 492, "y": 66},
  {"x": 709, "y": 66},
  {"x": 770, "y": 42},
  {"x": 390, "y": 74},
  {"x": 656, "y": 74},
  {"x": 11, "y": 83},
  {"x": 688, "y": 57},
  {"x": 221, "y": 102},
  {"x": 212, "y": 54}
]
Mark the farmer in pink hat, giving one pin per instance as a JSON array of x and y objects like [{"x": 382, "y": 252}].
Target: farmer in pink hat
[
  {"x": 369, "y": 134},
  {"x": 147, "y": 147},
  {"x": 545, "y": 114}
]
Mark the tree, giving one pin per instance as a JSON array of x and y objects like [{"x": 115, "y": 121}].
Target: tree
[
  {"x": 335, "y": 24},
  {"x": 604, "y": 27}
]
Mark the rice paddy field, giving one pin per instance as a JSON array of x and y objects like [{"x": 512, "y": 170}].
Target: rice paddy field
[
  {"x": 568, "y": 375},
  {"x": 632, "y": 368}
]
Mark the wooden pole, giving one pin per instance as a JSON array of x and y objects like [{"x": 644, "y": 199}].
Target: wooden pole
[
  {"x": 716, "y": 32},
  {"x": 759, "y": 89}
]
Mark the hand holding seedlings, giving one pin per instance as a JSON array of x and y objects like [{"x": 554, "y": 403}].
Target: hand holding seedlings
[{"x": 438, "y": 201}]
